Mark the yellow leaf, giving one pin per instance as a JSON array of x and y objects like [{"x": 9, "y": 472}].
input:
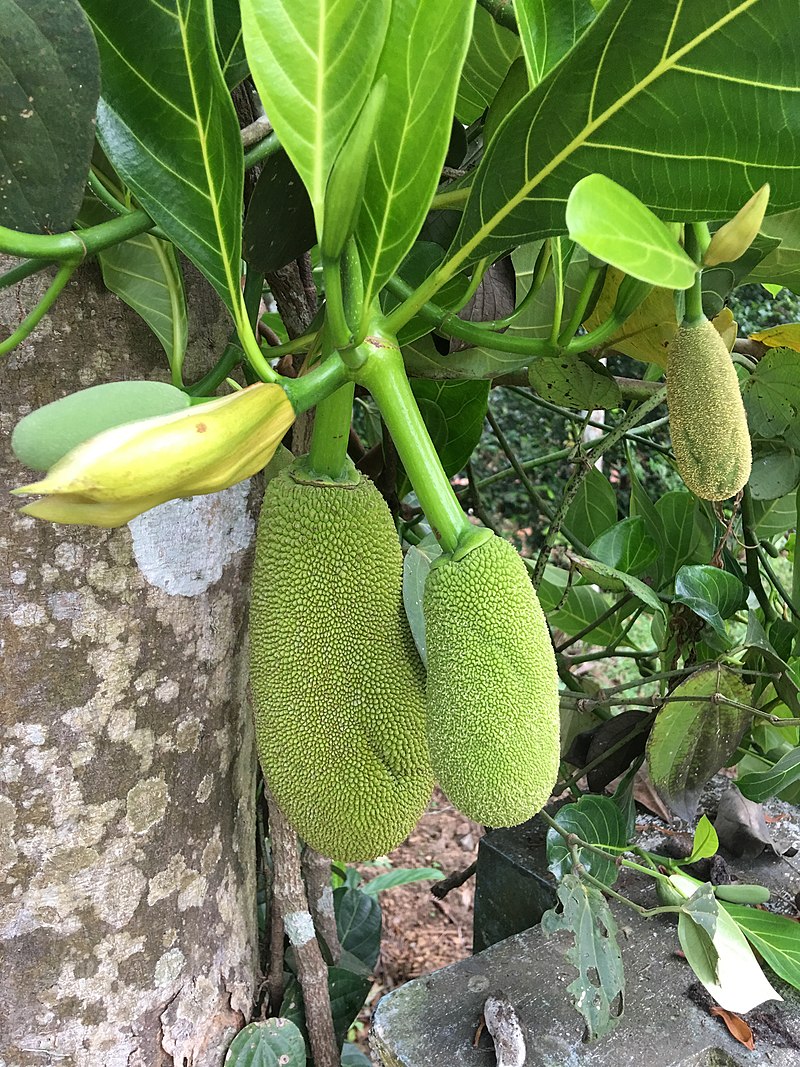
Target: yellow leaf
[
  {"x": 646, "y": 333},
  {"x": 787, "y": 336}
]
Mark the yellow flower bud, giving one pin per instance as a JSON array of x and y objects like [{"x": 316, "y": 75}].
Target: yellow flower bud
[
  {"x": 111, "y": 478},
  {"x": 734, "y": 238}
]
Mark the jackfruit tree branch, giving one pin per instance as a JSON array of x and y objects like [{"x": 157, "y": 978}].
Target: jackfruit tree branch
[{"x": 385, "y": 377}]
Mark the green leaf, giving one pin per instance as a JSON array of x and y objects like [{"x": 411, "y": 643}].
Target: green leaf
[
  {"x": 416, "y": 565},
  {"x": 761, "y": 785},
  {"x": 574, "y": 382},
  {"x": 580, "y": 607},
  {"x": 594, "y": 508},
  {"x": 167, "y": 124},
  {"x": 680, "y": 517},
  {"x": 595, "y": 953},
  {"x": 595, "y": 820},
  {"x": 313, "y": 65},
  {"x": 267, "y": 1043},
  {"x": 279, "y": 226},
  {"x": 352, "y": 1056},
  {"x": 626, "y": 546},
  {"x": 694, "y": 736},
  {"x": 491, "y": 52},
  {"x": 705, "y": 842},
  {"x": 739, "y": 984},
  {"x": 547, "y": 30},
  {"x": 230, "y": 42},
  {"x": 49, "y": 85},
  {"x": 775, "y": 472},
  {"x": 48, "y": 433},
  {"x": 422, "y": 56},
  {"x": 782, "y": 264},
  {"x": 610, "y": 110},
  {"x": 358, "y": 922},
  {"x": 774, "y": 937},
  {"x": 711, "y": 593},
  {"x": 641, "y": 505},
  {"x": 515, "y": 86},
  {"x": 400, "y": 876},
  {"x": 349, "y": 983},
  {"x": 775, "y": 517},
  {"x": 772, "y": 396},
  {"x": 617, "y": 580},
  {"x": 615, "y": 226}
]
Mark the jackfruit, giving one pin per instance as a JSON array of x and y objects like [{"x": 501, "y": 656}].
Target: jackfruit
[
  {"x": 492, "y": 688},
  {"x": 707, "y": 420},
  {"x": 337, "y": 682}
]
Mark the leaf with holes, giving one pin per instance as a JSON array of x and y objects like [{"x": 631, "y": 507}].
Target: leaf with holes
[
  {"x": 167, "y": 124},
  {"x": 694, "y": 736},
  {"x": 313, "y": 65},
  {"x": 609, "y": 109},
  {"x": 595, "y": 953},
  {"x": 49, "y": 85},
  {"x": 574, "y": 382}
]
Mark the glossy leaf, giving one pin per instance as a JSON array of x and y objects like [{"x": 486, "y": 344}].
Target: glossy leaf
[
  {"x": 167, "y": 124},
  {"x": 416, "y": 566},
  {"x": 548, "y": 29},
  {"x": 421, "y": 59},
  {"x": 358, "y": 922},
  {"x": 694, "y": 736},
  {"x": 279, "y": 226},
  {"x": 595, "y": 820},
  {"x": 615, "y": 226},
  {"x": 594, "y": 508},
  {"x": 574, "y": 382},
  {"x": 579, "y": 608},
  {"x": 626, "y": 546},
  {"x": 761, "y": 785},
  {"x": 607, "y": 109},
  {"x": 515, "y": 85},
  {"x": 313, "y": 65},
  {"x": 775, "y": 517},
  {"x": 349, "y": 983},
  {"x": 400, "y": 876},
  {"x": 49, "y": 85},
  {"x": 711, "y": 593},
  {"x": 774, "y": 937},
  {"x": 595, "y": 953},
  {"x": 230, "y": 42},
  {"x": 682, "y": 527},
  {"x": 705, "y": 842},
  {"x": 267, "y": 1043},
  {"x": 775, "y": 472},
  {"x": 617, "y": 580},
  {"x": 772, "y": 396},
  {"x": 491, "y": 52}
]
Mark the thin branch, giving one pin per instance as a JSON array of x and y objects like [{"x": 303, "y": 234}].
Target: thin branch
[{"x": 453, "y": 881}]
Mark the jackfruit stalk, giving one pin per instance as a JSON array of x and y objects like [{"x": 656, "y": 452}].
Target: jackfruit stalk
[
  {"x": 707, "y": 419},
  {"x": 337, "y": 683},
  {"x": 492, "y": 688}
]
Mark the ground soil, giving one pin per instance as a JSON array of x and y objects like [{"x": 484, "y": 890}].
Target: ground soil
[{"x": 421, "y": 933}]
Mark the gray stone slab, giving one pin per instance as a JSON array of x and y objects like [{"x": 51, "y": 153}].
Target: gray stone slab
[{"x": 431, "y": 1022}]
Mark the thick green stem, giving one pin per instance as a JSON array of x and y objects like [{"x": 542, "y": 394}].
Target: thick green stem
[
  {"x": 328, "y": 454},
  {"x": 312, "y": 388},
  {"x": 385, "y": 377},
  {"x": 579, "y": 311},
  {"x": 31, "y": 320},
  {"x": 22, "y": 271},
  {"x": 450, "y": 199},
  {"x": 334, "y": 303},
  {"x": 75, "y": 245}
]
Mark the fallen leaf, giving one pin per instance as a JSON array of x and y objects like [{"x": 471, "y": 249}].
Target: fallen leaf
[
  {"x": 740, "y": 825},
  {"x": 644, "y": 793},
  {"x": 737, "y": 1027}
]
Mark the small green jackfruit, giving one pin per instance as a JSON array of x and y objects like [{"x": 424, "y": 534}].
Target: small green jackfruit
[
  {"x": 337, "y": 683},
  {"x": 707, "y": 420},
  {"x": 493, "y": 723}
]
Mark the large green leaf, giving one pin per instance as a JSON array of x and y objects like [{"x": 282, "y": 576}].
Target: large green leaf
[
  {"x": 548, "y": 29},
  {"x": 492, "y": 50},
  {"x": 267, "y": 1043},
  {"x": 694, "y": 736},
  {"x": 594, "y": 509},
  {"x": 279, "y": 226},
  {"x": 421, "y": 59},
  {"x": 682, "y": 528},
  {"x": 775, "y": 938},
  {"x": 49, "y": 84},
  {"x": 761, "y": 785},
  {"x": 230, "y": 42},
  {"x": 772, "y": 396},
  {"x": 610, "y": 108},
  {"x": 597, "y": 821},
  {"x": 626, "y": 546},
  {"x": 711, "y": 593},
  {"x": 168, "y": 126},
  {"x": 313, "y": 65},
  {"x": 578, "y": 610}
]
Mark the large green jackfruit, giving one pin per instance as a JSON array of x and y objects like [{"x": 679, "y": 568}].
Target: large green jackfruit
[
  {"x": 707, "y": 420},
  {"x": 337, "y": 683},
  {"x": 493, "y": 723}
]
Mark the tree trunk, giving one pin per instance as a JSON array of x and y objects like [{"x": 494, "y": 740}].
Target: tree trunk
[{"x": 127, "y": 827}]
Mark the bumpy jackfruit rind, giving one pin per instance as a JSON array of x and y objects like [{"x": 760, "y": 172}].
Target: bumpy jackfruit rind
[
  {"x": 337, "y": 683},
  {"x": 493, "y": 723},
  {"x": 707, "y": 419}
]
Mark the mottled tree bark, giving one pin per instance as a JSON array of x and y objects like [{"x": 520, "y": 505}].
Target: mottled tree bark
[{"x": 127, "y": 889}]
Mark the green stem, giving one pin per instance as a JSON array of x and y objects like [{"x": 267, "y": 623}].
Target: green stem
[
  {"x": 695, "y": 248},
  {"x": 327, "y": 458},
  {"x": 75, "y": 245},
  {"x": 105, "y": 196},
  {"x": 752, "y": 561},
  {"x": 334, "y": 303},
  {"x": 266, "y": 147},
  {"x": 796, "y": 563},
  {"x": 777, "y": 584},
  {"x": 451, "y": 325},
  {"x": 526, "y": 465},
  {"x": 209, "y": 383},
  {"x": 579, "y": 311},
  {"x": 22, "y": 271},
  {"x": 311, "y": 389},
  {"x": 385, "y": 377},
  {"x": 31, "y": 320},
  {"x": 450, "y": 199}
]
